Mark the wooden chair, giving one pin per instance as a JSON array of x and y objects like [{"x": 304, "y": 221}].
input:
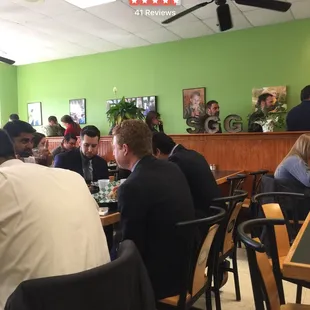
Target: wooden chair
[
  {"x": 264, "y": 284},
  {"x": 195, "y": 281},
  {"x": 226, "y": 243}
]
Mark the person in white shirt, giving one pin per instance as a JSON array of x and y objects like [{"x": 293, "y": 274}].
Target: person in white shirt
[{"x": 49, "y": 222}]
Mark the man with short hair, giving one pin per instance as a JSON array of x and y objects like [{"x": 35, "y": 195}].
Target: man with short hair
[
  {"x": 213, "y": 109},
  {"x": 53, "y": 129},
  {"x": 13, "y": 117},
  {"x": 264, "y": 105},
  {"x": 196, "y": 169},
  {"x": 298, "y": 118},
  {"x": 21, "y": 134},
  {"x": 68, "y": 144},
  {"x": 45, "y": 229},
  {"x": 85, "y": 160},
  {"x": 152, "y": 200}
]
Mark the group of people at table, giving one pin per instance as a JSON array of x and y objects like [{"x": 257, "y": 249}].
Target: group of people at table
[{"x": 49, "y": 222}]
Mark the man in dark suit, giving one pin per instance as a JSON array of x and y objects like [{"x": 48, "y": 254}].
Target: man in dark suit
[
  {"x": 196, "y": 169},
  {"x": 298, "y": 118},
  {"x": 152, "y": 200},
  {"x": 85, "y": 160}
]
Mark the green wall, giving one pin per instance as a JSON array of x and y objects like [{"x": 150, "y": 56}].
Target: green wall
[
  {"x": 229, "y": 65},
  {"x": 8, "y": 92}
]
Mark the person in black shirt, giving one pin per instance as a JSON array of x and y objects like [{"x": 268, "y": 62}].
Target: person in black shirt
[
  {"x": 298, "y": 118},
  {"x": 263, "y": 106}
]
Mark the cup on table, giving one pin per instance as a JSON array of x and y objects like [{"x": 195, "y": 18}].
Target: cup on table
[
  {"x": 103, "y": 184},
  {"x": 123, "y": 180}
]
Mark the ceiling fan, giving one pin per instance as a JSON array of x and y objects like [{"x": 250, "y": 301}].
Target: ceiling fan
[{"x": 223, "y": 11}]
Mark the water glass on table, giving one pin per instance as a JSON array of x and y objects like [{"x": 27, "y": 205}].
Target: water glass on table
[{"x": 103, "y": 184}]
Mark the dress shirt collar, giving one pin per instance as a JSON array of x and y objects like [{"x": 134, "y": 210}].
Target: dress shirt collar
[
  {"x": 135, "y": 165},
  {"x": 11, "y": 162},
  {"x": 173, "y": 149}
]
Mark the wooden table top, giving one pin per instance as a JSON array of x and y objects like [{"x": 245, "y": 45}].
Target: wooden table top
[
  {"x": 221, "y": 175},
  {"x": 297, "y": 263}
]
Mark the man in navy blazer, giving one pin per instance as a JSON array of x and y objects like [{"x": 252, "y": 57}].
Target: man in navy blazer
[{"x": 85, "y": 160}]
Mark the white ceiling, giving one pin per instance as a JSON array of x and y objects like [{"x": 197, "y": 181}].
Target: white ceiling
[{"x": 55, "y": 29}]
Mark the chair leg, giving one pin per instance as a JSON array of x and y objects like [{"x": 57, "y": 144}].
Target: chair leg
[
  {"x": 298, "y": 294},
  {"x": 216, "y": 288},
  {"x": 208, "y": 299},
  {"x": 236, "y": 275}
]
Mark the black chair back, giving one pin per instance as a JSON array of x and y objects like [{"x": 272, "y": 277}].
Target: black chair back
[
  {"x": 236, "y": 182},
  {"x": 257, "y": 179},
  {"x": 122, "y": 284},
  {"x": 262, "y": 291}
]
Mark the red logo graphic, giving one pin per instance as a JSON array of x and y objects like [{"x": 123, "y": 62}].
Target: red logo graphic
[{"x": 155, "y": 2}]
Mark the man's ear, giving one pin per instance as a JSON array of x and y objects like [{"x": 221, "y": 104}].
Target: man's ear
[
  {"x": 126, "y": 149},
  {"x": 157, "y": 153}
]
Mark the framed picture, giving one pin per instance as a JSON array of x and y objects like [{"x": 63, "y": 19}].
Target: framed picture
[
  {"x": 148, "y": 103},
  {"x": 35, "y": 113},
  {"x": 194, "y": 102},
  {"x": 279, "y": 97},
  {"x": 78, "y": 110}
]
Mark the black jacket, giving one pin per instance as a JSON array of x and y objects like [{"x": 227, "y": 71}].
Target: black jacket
[
  {"x": 153, "y": 199},
  {"x": 73, "y": 161},
  {"x": 252, "y": 126},
  {"x": 298, "y": 119},
  {"x": 200, "y": 179},
  {"x": 122, "y": 284}
]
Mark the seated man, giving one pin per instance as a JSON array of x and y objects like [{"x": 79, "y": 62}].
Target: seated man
[
  {"x": 68, "y": 144},
  {"x": 21, "y": 134},
  {"x": 197, "y": 171},
  {"x": 85, "y": 160},
  {"x": 153, "y": 199},
  {"x": 45, "y": 229}
]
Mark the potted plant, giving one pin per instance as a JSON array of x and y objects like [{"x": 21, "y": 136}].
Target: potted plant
[
  {"x": 124, "y": 110},
  {"x": 271, "y": 121}
]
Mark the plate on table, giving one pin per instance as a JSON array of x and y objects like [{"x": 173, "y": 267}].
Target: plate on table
[{"x": 103, "y": 211}]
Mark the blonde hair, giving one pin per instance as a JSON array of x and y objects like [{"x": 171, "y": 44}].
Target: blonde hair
[{"x": 301, "y": 148}]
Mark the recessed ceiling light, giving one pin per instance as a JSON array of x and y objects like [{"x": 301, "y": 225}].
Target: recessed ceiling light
[{"x": 83, "y": 4}]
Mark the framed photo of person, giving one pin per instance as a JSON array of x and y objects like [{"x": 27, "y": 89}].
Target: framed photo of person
[
  {"x": 78, "y": 110},
  {"x": 35, "y": 113},
  {"x": 194, "y": 102}
]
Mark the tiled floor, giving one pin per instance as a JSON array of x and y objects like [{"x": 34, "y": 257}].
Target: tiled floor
[{"x": 228, "y": 299}]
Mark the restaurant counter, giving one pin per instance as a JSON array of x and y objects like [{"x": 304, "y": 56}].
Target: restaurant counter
[{"x": 228, "y": 151}]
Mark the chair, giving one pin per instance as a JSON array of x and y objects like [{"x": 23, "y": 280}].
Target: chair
[
  {"x": 195, "y": 282},
  {"x": 236, "y": 182},
  {"x": 265, "y": 284},
  {"x": 118, "y": 285},
  {"x": 226, "y": 242}
]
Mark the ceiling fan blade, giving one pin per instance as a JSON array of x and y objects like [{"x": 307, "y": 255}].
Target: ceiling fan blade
[
  {"x": 7, "y": 61},
  {"x": 181, "y": 14},
  {"x": 224, "y": 17},
  {"x": 274, "y": 5}
]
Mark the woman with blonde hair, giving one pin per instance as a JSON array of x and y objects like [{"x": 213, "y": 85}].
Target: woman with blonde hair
[{"x": 295, "y": 164}]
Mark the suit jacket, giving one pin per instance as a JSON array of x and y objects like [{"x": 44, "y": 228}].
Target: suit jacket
[
  {"x": 200, "y": 178},
  {"x": 72, "y": 160},
  {"x": 42, "y": 233},
  {"x": 298, "y": 118},
  {"x": 153, "y": 199}
]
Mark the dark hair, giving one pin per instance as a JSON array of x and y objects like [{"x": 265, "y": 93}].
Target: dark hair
[
  {"x": 150, "y": 116},
  {"x": 162, "y": 142},
  {"x": 209, "y": 103},
  {"x": 136, "y": 134},
  {"x": 14, "y": 117},
  {"x": 90, "y": 131},
  {"x": 15, "y": 128},
  {"x": 262, "y": 97},
  {"x": 6, "y": 145},
  {"x": 37, "y": 137},
  {"x": 67, "y": 119},
  {"x": 305, "y": 93},
  {"x": 195, "y": 93},
  {"x": 53, "y": 119},
  {"x": 69, "y": 136}
]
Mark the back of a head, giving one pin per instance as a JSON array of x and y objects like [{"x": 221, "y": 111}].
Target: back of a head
[
  {"x": 15, "y": 128},
  {"x": 14, "y": 117},
  {"x": 6, "y": 146},
  {"x": 136, "y": 134},
  {"x": 301, "y": 148},
  {"x": 70, "y": 136},
  {"x": 67, "y": 119},
  {"x": 305, "y": 93},
  {"x": 37, "y": 137},
  {"x": 90, "y": 131},
  {"x": 162, "y": 142}
]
